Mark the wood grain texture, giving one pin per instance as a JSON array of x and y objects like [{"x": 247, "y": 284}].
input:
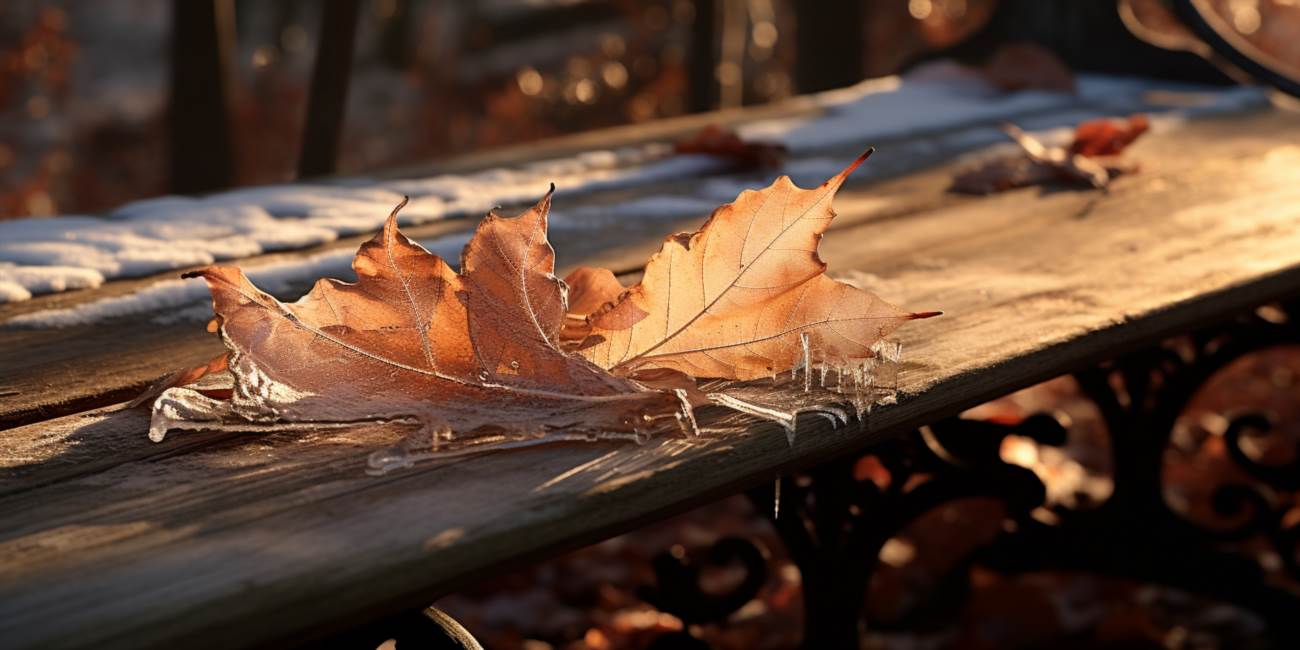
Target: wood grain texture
[{"x": 223, "y": 540}]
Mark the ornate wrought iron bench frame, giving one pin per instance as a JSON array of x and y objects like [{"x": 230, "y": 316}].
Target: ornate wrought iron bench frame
[{"x": 834, "y": 525}]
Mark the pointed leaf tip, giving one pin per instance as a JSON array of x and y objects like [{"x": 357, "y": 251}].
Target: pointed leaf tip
[
  {"x": 391, "y": 222},
  {"x": 839, "y": 178},
  {"x": 204, "y": 272},
  {"x": 398, "y": 208},
  {"x": 925, "y": 314}
]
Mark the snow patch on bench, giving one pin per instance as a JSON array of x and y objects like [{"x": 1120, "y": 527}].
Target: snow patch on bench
[{"x": 182, "y": 300}]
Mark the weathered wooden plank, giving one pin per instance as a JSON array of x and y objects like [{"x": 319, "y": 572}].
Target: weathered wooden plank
[{"x": 110, "y": 541}]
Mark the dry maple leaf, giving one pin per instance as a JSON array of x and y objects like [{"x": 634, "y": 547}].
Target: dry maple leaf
[
  {"x": 489, "y": 356},
  {"x": 473, "y": 357},
  {"x": 744, "y": 297}
]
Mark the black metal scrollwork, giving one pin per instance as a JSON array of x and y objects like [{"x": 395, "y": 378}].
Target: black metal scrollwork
[
  {"x": 834, "y": 525},
  {"x": 1135, "y": 533},
  {"x": 678, "y": 592}
]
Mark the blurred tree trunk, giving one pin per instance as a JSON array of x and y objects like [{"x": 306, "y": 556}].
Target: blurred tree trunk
[
  {"x": 830, "y": 44},
  {"x": 329, "y": 88},
  {"x": 203, "y": 40},
  {"x": 395, "y": 45},
  {"x": 702, "y": 72},
  {"x": 286, "y": 11}
]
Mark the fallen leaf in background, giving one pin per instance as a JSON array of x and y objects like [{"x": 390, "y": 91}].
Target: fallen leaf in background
[
  {"x": 473, "y": 358},
  {"x": 721, "y": 142},
  {"x": 744, "y": 297},
  {"x": 1090, "y": 159},
  {"x": 1001, "y": 174},
  {"x": 1068, "y": 166},
  {"x": 1108, "y": 137}
]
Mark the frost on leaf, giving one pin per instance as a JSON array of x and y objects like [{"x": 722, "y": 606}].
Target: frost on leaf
[
  {"x": 471, "y": 358},
  {"x": 744, "y": 297},
  {"x": 185, "y": 377},
  {"x": 837, "y": 393}
]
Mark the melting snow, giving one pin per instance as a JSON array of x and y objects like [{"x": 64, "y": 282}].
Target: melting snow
[{"x": 181, "y": 300}]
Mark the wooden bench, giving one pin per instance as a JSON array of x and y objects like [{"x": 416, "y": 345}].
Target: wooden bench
[{"x": 221, "y": 540}]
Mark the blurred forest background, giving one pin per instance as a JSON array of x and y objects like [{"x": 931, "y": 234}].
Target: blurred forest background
[{"x": 84, "y": 87}]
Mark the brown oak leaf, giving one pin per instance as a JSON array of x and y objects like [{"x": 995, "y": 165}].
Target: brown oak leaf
[
  {"x": 737, "y": 298},
  {"x": 473, "y": 357}
]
